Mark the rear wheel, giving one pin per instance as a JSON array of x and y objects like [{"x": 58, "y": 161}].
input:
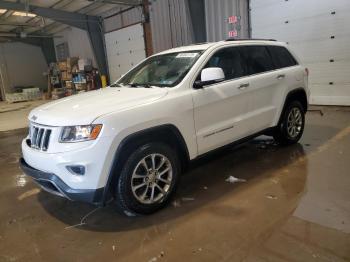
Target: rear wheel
[
  {"x": 291, "y": 126},
  {"x": 147, "y": 180}
]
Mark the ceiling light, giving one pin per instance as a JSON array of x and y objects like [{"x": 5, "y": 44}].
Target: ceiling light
[
  {"x": 2, "y": 11},
  {"x": 17, "y": 13}
]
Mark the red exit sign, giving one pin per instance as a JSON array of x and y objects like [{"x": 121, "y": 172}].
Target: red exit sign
[
  {"x": 232, "y": 19},
  {"x": 232, "y": 33}
]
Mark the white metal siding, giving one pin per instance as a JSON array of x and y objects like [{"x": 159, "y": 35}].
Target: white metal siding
[
  {"x": 308, "y": 27},
  {"x": 78, "y": 43},
  {"x": 125, "y": 48}
]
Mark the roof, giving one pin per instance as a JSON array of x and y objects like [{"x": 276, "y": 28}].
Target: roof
[{"x": 205, "y": 46}]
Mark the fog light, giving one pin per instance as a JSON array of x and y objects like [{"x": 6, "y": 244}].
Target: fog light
[{"x": 76, "y": 170}]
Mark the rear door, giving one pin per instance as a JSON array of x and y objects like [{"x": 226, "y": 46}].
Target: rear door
[
  {"x": 288, "y": 73},
  {"x": 267, "y": 86},
  {"x": 221, "y": 110}
]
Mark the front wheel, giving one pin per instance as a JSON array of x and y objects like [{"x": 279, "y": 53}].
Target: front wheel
[
  {"x": 291, "y": 126},
  {"x": 147, "y": 180}
]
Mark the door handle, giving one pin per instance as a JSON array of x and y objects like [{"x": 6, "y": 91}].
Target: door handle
[
  {"x": 279, "y": 77},
  {"x": 243, "y": 86}
]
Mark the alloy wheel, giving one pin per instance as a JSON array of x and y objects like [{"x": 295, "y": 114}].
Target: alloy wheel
[
  {"x": 294, "y": 122},
  {"x": 152, "y": 178}
]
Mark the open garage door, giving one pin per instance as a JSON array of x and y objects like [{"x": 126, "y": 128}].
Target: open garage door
[
  {"x": 318, "y": 32},
  {"x": 125, "y": 48}
]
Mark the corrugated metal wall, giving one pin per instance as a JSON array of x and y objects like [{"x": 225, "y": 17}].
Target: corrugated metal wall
[
  {"x": 217, "y": 13},
  {"x": 170, "y": 23}
]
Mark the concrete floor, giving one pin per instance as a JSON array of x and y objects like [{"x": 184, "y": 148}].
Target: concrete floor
[{"x": 294, "y": 206}]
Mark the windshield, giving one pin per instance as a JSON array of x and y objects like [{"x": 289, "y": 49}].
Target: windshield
[{"x": 163, "y": 70}]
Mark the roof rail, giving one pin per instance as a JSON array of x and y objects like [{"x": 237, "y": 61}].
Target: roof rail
[{"x": 250, "y": 39}]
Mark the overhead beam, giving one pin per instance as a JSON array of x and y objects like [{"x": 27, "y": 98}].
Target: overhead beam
[
  {"x": 83, "y": 10},
  {"x": 119, "y": 2},
  {"x": 92, "y": 24},
  {"x": 69, "y": 18},
  {"x": 59, "y": 4}
]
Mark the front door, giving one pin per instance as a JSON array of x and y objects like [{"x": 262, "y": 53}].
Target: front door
[{"x": 221, "y": 110}]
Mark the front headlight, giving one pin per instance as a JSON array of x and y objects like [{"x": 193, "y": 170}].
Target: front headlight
[{"x": 80, "y": 133}]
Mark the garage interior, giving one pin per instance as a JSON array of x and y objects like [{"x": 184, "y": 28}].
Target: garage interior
[{"x": 291, "y": 204}]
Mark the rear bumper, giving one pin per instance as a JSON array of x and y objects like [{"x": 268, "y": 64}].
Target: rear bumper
[{"x": 54, "y": 185}]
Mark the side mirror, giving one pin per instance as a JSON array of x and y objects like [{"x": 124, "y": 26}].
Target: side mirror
[{"x": 209, "y": 76}]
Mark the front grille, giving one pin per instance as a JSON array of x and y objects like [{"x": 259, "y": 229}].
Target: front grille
[{"x": 39, "y": 137}]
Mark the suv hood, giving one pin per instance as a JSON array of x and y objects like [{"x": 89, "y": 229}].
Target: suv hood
[{"x": 85, "y": 108}]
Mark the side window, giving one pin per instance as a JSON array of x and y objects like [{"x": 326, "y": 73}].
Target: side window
[
  {"x": 229, "y": 60},
  {"x": 281, "y": 57},
  {"x": 256, "y": 59}
]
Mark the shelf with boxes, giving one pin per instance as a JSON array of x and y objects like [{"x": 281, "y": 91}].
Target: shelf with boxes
[{"x": 73, "y": 76}]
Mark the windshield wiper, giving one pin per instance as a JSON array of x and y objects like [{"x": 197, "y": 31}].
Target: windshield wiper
[
  {"x": 140, "y": 85},
  {"x": 116, "y": 85}
]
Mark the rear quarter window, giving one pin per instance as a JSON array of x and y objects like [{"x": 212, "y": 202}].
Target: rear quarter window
[
  {"x": 281, "y": 57},
  {"x": 256, "y": 59}
]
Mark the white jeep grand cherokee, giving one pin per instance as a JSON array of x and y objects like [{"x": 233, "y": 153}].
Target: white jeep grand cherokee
[{"x": 131, "y": 141}]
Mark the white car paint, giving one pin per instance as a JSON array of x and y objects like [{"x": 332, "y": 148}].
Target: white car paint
[{"x": 207, "y": 118}]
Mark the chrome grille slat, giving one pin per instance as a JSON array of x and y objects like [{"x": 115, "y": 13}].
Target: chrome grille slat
[
  {"x": 40, "y": 137},
  {"x": 43, "y": 139},
  {"x": 46, "y": 139},
  {"x": 35, "y": 135}
]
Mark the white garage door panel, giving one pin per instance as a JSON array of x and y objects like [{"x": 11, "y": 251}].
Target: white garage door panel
[
  {"x": 329, "y": 95},
  {"x": 301, "y": 9},
  {"x": 324, "y": 90},
  {"x": 130, "y": 60},
  {"x": 263, "y": 3},
  {"x": 318, "y": 27},
  {"x": 308, "y": 32},
  {"x": 320, "y": 51},
  {"x": 125, "y": 48},
  {"x": 130, "y": 32},
  {"x": 327, "y": 72}
]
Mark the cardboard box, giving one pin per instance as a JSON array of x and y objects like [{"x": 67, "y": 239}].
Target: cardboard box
[
  {"x": 69, "y": 84},
  {"x": 62, "y": 66},
  {"x": 80, "y": 86},
  {"x": 65, "y": 75},
  {"x": 58, "y": 93},
  {"x": 71, "y": 61}
]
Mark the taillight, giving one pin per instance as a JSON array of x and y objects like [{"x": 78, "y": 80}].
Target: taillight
[{"x": 307, "y": 71}]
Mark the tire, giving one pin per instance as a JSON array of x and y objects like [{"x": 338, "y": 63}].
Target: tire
[
  {"x": 291, "y": 125},
  {"x": 135, "y": 185}
]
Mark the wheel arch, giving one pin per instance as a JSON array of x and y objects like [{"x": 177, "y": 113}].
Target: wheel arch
[
  {"x": 298, "y": 94},
  {"x": 167, "y": 133}
]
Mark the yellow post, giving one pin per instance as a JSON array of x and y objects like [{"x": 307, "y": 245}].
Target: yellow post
[{"x": 103, "y": 81}]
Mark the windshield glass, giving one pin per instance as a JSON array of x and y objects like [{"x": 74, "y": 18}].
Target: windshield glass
[{"x": 163, "y": 70}]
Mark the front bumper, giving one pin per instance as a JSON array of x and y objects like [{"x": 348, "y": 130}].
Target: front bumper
[{"x": 53, "y": 184}]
